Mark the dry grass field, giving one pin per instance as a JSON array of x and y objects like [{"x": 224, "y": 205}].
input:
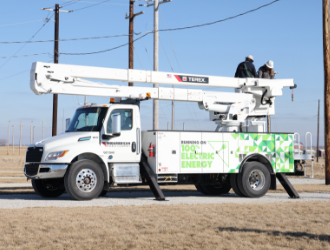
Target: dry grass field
[{"x": 226, "y": 226}]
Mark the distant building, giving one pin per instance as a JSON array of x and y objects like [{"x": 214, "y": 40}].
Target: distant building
[{"x": 321, "y": 153}]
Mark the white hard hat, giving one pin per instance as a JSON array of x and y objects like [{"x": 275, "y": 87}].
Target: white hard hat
[
  {"x": 250, "y": 57},
  {"x": 270, "y": 64}
]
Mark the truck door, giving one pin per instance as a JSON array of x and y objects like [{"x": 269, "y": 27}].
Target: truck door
[{"x": 127, "y": 146}]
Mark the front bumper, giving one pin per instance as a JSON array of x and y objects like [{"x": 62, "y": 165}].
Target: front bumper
[{"x": 45, "y": 171}]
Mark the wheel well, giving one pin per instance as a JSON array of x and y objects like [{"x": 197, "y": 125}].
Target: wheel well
[
  {"x": 259, "y": 158},
  {"x": 96, "y": 159}
]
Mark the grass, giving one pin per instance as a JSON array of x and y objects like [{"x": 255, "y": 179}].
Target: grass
[{"x": 215, "y": 226}]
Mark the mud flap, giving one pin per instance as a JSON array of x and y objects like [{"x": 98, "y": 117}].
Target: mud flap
[
  {"x": 152, "y": 179},
  {"x": 287, "y": 186}
]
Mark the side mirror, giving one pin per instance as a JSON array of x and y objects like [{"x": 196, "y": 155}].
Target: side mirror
[{"x": 116, "y": 125}]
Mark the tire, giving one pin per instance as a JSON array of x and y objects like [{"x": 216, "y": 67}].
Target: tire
[
  {"x": 48, "y": 188},
  {"x": 84, "y": 180},
  {"x": 233, "y": 183},
  {"x": 200, "y": 189},
  {"x": 254, "y": 180},
  {"x": 216, "y": 189},
  {"x": 103, "y": 193}
]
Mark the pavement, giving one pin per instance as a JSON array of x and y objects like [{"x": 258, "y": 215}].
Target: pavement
[
  {"x": 292, "y": 180},
  {"x": 146, "y": 198}
]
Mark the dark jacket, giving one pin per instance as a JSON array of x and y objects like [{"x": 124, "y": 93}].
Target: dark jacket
[
  {"x": 264, "y": 73},
  {"x": 249, "y": 71}
]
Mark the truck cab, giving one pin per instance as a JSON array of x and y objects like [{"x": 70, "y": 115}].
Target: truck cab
[{"x": 89, "y": 137}]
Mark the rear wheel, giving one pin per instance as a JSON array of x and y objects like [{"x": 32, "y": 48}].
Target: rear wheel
[
  {"x": 48, "y": 188},
  {"x": 84, "y": 180},
  {"x": 254, "y": 181},
  {"x": 200, "y": 189},
  {"x": 234, "y": 185}
]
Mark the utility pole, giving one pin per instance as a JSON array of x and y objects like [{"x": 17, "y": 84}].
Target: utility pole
[
  {"x": 131, "y": 17},
  {"x": 34, "y": 133},
  {"x": 56, "y": 54},
  {"x": 156, "y": 65},
  {"x": 156, "y": 50},
  {"x": 13, "y": 138},
  {"x": 318, "y": 132},
  {"x": 85, "y": 100},
  {"x": 268, "y": 123},
  {"x": 8, "y": 137},
  {"x": 31, "y": 133},
  {"x": 20, "y": 137},
  {"x": 55, "y": 96},
  {"x": 326, "y": 58}
]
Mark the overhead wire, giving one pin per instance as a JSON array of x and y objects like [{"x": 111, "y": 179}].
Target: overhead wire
[
  {"x": 47, "y": 20},
  {"x": 144, "y": 45},
  {"x": 12, "y": 24},
  {"x": 160, "y": 30},
  {"x": 91, "y": 5},
  {"x": 170, "y": 41},
  {"x": 138, "y": 58}
]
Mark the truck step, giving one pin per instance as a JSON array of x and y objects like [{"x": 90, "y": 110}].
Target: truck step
[{"x": 167, "y": 178}]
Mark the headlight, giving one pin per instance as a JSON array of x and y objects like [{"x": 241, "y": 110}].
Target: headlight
[{"x": 55, "y": 155}]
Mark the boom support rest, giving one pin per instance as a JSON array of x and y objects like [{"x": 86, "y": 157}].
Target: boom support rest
[
  {"x": 152, "y": 179},
  {"x": 287, "y": 186}
]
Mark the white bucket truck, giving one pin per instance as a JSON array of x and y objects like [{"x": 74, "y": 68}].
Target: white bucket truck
[{"x": 104, "y": 146}]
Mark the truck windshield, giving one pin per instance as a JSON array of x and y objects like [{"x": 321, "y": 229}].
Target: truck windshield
[{"x": 87, "y": 119}]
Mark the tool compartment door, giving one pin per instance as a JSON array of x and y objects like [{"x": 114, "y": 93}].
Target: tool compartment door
[
  {"x": 191, "y": 152},
  {"x": 168, "y": 152}
]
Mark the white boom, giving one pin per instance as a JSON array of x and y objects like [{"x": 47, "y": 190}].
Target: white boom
[{"x": 255, "y": 98}]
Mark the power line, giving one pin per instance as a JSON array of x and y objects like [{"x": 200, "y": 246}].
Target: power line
[
  {"x": 90, "y": 6},
  {"x": 102, "y": 51},
  {"x": 77, "y": 1},
  {"x": 188, "y": 27},
  {"x": 10, "y": 57},
  {"x": 138, "y": 58},
  {"x": 144, "y": 45},
  {"x": 170, "y": 41},
  {"x": 12, "y": 24},
  {"x": 151, "y": 32},
  {"x": 47, "y": 20},
  {"x": 72, "y": 39},
  {"x": 166, "y": 53}
]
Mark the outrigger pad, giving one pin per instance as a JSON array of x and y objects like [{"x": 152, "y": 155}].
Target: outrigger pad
[
  {"x": 152, "y": 180},
  {"x": 287, "y": 186}
]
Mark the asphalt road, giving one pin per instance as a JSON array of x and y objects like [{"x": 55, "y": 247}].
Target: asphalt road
[{"x": 146, "y": 198}]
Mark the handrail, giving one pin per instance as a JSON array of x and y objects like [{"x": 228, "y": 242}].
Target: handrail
[
  {"x": 310, "y": 141},
  {"x": 294, "y": 136}
]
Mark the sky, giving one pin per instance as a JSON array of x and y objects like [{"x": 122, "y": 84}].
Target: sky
[{"x": 289, "y": 32}]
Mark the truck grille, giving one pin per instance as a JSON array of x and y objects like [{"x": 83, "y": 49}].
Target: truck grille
[
  {"x": 34, "y": 154},
  {"x": 31, "y": 169}
]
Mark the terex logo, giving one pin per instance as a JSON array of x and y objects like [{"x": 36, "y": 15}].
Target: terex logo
[{"x": 195, "y": 79}]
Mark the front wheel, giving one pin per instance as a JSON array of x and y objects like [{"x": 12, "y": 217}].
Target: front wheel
[
  {"x": 48, "y": 188},
  {"x": 84, "y": 180}
]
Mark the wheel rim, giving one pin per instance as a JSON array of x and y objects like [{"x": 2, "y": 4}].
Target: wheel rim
[
  {"x": 257, "y": 179},
  {"x": 86, "y": 180}
]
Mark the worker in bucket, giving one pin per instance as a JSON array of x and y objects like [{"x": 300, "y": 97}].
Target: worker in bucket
[
  {"x": 267, "y": 71},
  {"x": 246, "y": 69}
]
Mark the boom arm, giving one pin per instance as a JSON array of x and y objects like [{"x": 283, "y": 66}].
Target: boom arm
[{"x": 223, "y": 106}]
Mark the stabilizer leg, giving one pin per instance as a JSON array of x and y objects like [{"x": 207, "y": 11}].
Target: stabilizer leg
[
  {"x": 287, "y": 186},
  {"x": 152, "y": 180}
]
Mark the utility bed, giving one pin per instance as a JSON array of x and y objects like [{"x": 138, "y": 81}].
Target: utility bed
[{"x": 187, "y": 152}]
